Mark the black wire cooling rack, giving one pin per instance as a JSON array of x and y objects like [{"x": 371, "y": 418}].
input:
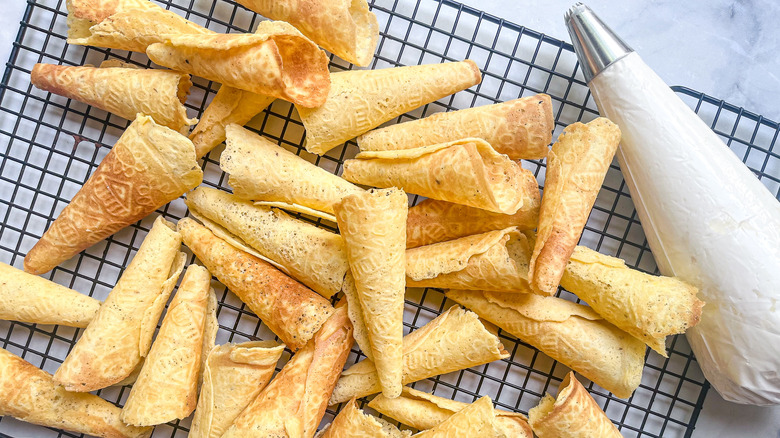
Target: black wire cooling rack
[{"x": 49, "y": 145}]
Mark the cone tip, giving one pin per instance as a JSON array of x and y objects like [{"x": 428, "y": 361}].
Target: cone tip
[{"x": 576, "y": 9}]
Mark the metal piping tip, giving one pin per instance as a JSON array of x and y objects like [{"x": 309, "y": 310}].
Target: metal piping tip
[{"x": 596, "y": 45}]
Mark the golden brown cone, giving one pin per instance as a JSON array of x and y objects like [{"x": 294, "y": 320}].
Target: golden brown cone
[
  {"x": 314, "y": 256},
  {"x": 30, "y": 395},
  {"x": 373, "y": 225},
  {"x": 29, "y": 298},
  {"x": 455, "y": 340},
  {"x": 229, "y": 106},
  {"x": 291, "y": 310},
  {"x": 149, "y": 166},
  {"x": 233, "y": 377},
  {"x": 351, "y": 422},
  {"x": 120, "y": 335},
  {"x": 124, "y": 24},
  {"x": 167, "y": 388},
  {"x": 433, "y": 221},
  {"x": 646, "y": 306},
  {"x": 288, "y": 181},
  {"x": 276, "y": 60},
  {"x": 422, "y": 411},
  {"x": 576, "y": 167},
  {"x": 496, "y": 260},
  {"x": 520, "y": 128},
  {"x": 125, "y": 92},
  {"x": 475, "y": 420},
  {"x": 293, "y": 404},
  {"x": 570, "y": 333},
  {"x": 467, "y": 171},
  {"x": 360, "y": 100},
  {"x": 344, "y": 27},
  {"x": 573, "y": 415}
]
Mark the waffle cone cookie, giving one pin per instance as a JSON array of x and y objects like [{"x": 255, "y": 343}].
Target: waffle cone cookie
[
  {"x": 120, "y": 335},
  {"x": 276, "y": 60},
  {"x": 293, "y": 404},
  {"x": 570, "y": 333},
  {"x": 124, "y": 24},
  {"x": 433, "y": 221},
  {"x": 291, "y": 310},
  {"x": 646, "y": 306},
  {"x": 314, "y": 256},
  {"x": 466, "y": 171},
  {"x": 233, "y": 377},
  {"x": 573, "y": 415},
  {"x": 496, "y": 260},
  {"x": 455, "y": 340},
  {"x": 360, "y": 100},
  {"x": 475, "y": 420},
  {"x": 351, "y": 422},
  {"x": 125, "y": 92},
  {"x": 167, "y": 388},
  {"x": 288, "y": 181},
  {"x": 149, "y": 166},
  {"x": 30, "y": 395},
  {"x": 229, "y": 106},
  {"x": 422, "y": 411},
  {"x": 520, "y": 128},
  {"x": 373, "y": 225},
  {"x": 576, "y": 167},
  {"x": 344, "y": 27},
  {"x": 32, "y": 299}
]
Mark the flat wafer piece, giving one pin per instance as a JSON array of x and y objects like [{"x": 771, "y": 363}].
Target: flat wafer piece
[
  {"x": 496, "y": 260},
  {"x": 276, "y": 60},
  {"x": 570, "y": 333},
  {"x": 30, "y": 395},
  {"x": 360, "y": 100},
  {"x": 519, "y": 128},
  {"x": 573, "y": 415},
  {"x": 125, "y": 92},
  {"x": 167, "y": 388},
  {"x": 120, "y": 335},
  {"x": 314, "y": 256},
  {"x": 29, "y": 298},
  {"x": 467, "y": 171},
  {"x": 351, "y": 422},
  {"x": 422, "y": 411},
  {"x": 455, "y": 340},
  {"x": 293, "y": 404},
  {"x": 149, "y": 166},
  {"x": 372, "y": 224},
  {"x": 646, "y": 306},
  {"x": 291, "y": 310},
  {"x": 229, "y": 106},
  {"x": 124, "y": 24},
  {"x": 233, "y": 377},
  {"x": 475, "y": 420},
  {"x": 576, "y": 167},
  {"x": 346, "y": 28},
  {"x": 433, "y": 221},
  {"x": 287, "y": 181}
]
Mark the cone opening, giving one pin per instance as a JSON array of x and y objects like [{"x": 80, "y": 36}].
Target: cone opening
[
  {"x": 304, "y": 70},
  {"x": 367, "y": 35}
]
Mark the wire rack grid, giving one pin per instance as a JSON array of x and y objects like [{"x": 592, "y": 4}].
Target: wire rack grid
[{"x": 49, "y": 146}]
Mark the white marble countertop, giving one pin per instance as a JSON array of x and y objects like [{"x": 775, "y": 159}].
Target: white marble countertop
[{"x": 725, "y": 48}]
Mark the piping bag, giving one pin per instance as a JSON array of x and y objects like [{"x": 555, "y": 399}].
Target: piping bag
[{"x": 707, "y": 218}]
